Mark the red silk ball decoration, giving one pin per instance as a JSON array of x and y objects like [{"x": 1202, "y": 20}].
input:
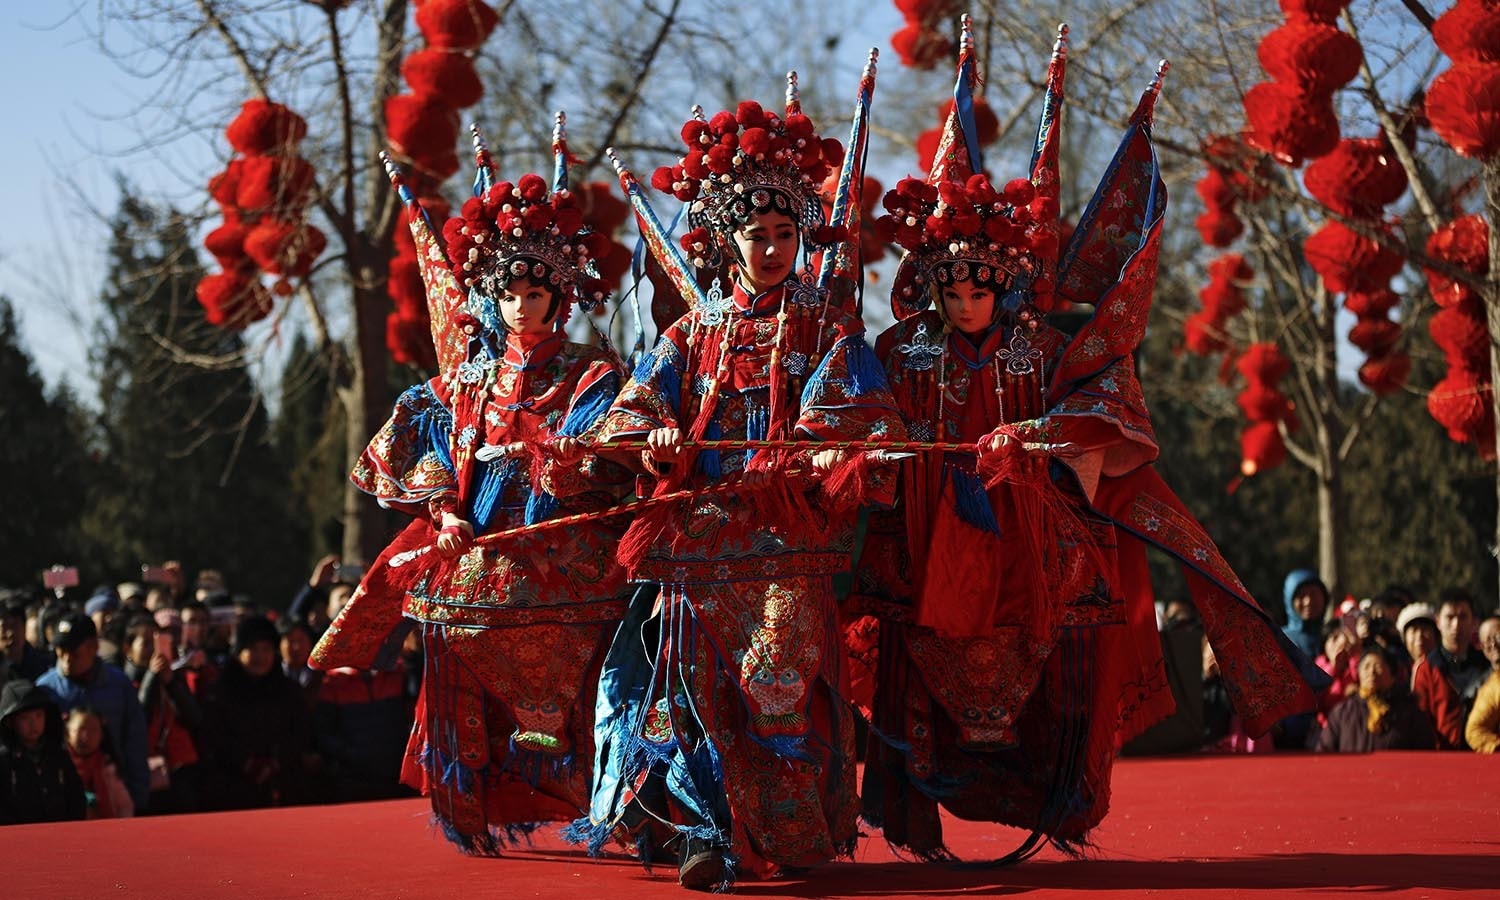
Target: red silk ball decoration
[
  {"x": 919, "y": 47},
  {"x": 1316, "y": 58},
  {"x": 1230, "y": 267},
  {"x": 1358, "y": 179},
  {"x": 1290, "y": 125},
  {"x": 224, "y": 187},
  {"x": 265, "y": 128},
  {"x": 1463, "y": 106},
  {"x": 448, "y": 75},
  {"x": 1222, "y": 300},
  {"x": 1349, "y": 261}
]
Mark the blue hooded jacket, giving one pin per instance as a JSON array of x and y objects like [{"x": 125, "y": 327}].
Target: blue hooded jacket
[{"x": 1306, "y": 635}]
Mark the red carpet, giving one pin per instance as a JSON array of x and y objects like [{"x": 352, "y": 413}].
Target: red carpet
[{"x": 1396, "y": 824}]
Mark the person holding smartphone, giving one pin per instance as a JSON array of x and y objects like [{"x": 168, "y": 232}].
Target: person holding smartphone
[{"x": 173, "y": 715}]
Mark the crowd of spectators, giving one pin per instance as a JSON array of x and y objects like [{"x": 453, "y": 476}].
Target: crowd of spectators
[
  {"x": 1405, "y": 675},
  {"x": 148, "y": 698}
]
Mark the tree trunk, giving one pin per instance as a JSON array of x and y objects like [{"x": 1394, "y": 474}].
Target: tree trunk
[
  {"x": 366, "y": 398},
  {"x": 1331, "y": 526},
  {"x": 1328, "y": 433}
]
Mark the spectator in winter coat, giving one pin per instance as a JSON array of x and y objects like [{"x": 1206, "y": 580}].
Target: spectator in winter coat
[
  {"x": 37, "y": 780},
  {"x": 25, "y": 661},
  {"x": 1483, "y": 730},
  {"x": 174, "y": 717},
  {"x": 108, "y": 798},
  {"x": 256, "y": 734},
  {"x": 1305, "y": 598},
  {"x": 81, "y": 678},
  {"x": 1430, "y": 685},
  {"x": 1456, "y": 654},
  {"x": 1381, "y": 716}
]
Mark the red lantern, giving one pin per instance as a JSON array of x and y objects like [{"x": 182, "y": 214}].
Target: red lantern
[
  {"x": 283, "y": 248},
  {"x": 1261, "y": 448},
  {"x": 227, "y": 244},
  {"x": 456, "y": 24},
  {"x": 1462, "y": 333},
  {"x": 280, "y": 185},
  {"x": 1201, "y": 335},
  {"x": 1290, "y": 125},
  {"x": 1231, "y": 267},
  {"x": 1316, "y": 58},
  {"x": 265, "y": 128},
  {"x": 1461, "y": 403},
  {"x": 1386, "y": 374},
  {"x": 919, "y": 47},
  {"x": 1358, "y": 179},
  {"x": 1349, "y": 261},
  {"x": 1325, "y": 11},
  {"x": 233, "y": 299},
  {"x": 1218, "y": 227},
  {"x": 1263, "y": 362},
  {"x": 1469, "y": 31},
  {"x": 1374, "y": 336},
  {"x": 1463, "y": 106},
  {"x": 422, "y": 128},
  {"x": 446, "y": 74},
  {"x": 1464, "y": 242},
  {"x": 1222, "y": 300},
  {"x": 1263, "y": 403},
  {"x": 1373, "y": 304}
]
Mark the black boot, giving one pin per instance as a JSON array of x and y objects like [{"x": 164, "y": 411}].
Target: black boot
[{"x": 703, "y": 866}]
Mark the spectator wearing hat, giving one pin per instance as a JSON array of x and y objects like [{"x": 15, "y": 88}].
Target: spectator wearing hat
[
  {"x": 81, "y": 678},
  {"x": 103, "y": 606},
  {"x": 1432, "y": 689},
  {"x": 256, "y": 733},
  {"x": 1483, "y": 729},
  {"x": 132, "y": 596},
  {"x": 22, "y": 660},
  {"x": 1381, "y": 716},
  {"x": 37, "y": 780}
]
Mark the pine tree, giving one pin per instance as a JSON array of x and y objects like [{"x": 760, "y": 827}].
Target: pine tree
[
  {"x": 43, "y": 454},
  {"x": 188, "y": 468}
]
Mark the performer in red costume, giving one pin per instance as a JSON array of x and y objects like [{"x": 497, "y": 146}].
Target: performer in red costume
[
  {"x": 1014, "y": 642},
  {"x": 513, "y": 631},
  {"x": 720, "y": 709}
]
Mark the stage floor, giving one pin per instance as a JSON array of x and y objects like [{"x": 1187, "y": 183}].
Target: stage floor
[{"x": 1395, "y": 824}]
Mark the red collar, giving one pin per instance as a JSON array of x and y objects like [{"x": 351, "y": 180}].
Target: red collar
[
  {"x": 525, "y": 352},
  {"x": 766, "y": 303}
]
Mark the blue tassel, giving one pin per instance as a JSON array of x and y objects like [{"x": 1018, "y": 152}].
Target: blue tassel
[
  {"x": 540, "y": 507},
  {"x": 866, "y": 374},
  {"x": 660, "y": 367},
  {"x": 458, "y": 776},
  {"x": 790, "y": 747},
  {"x": 711, "y": 462},
  {"x": 594, "y": 403},
  {"x": 493, "y": 478},
  {"x": 592, "y": 836},
  {"x": 973, "y": 503}
]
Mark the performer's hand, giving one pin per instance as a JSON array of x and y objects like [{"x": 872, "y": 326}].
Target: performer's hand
[
  {"x": 825, "y": 461},
  {"x": 999, "y": 442},
  {"x": 754, "y": 479},
  {"x": 665, "y": 444},
  {"x": 566, "y": 446},
  {"x": 455, "y": 536}
]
